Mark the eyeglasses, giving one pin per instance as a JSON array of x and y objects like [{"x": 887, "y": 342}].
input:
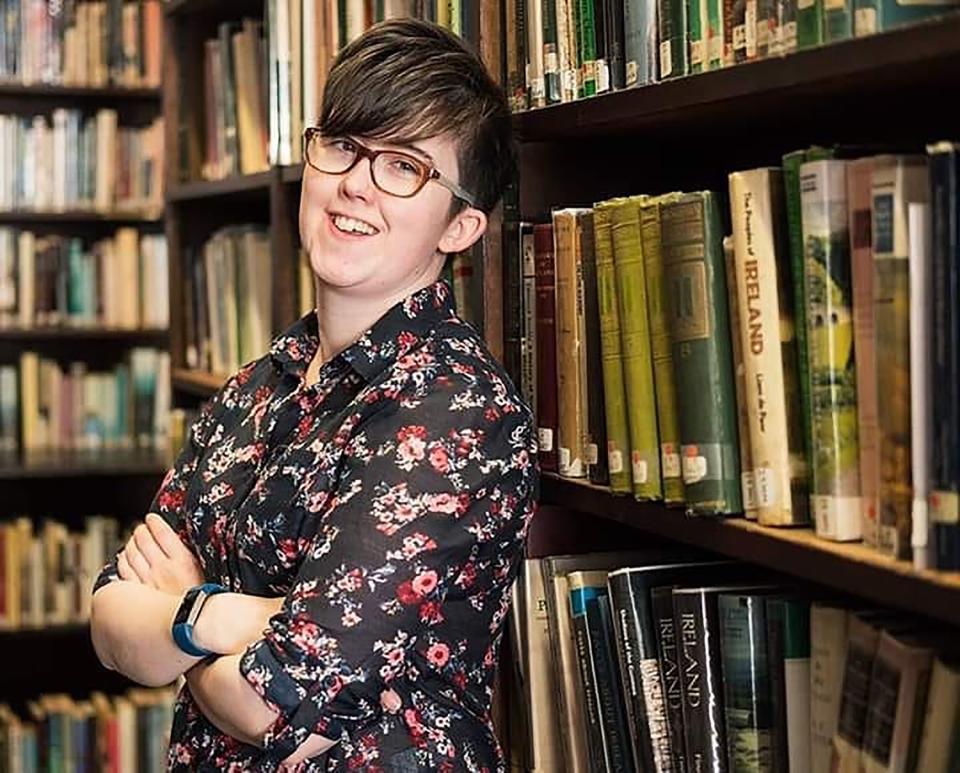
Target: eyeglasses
[{"x": 393, "y": 172}]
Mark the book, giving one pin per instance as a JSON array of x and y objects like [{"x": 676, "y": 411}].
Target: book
[
  {"x": 545, "y": 279},
  {"x": 835, "y": 475},
  {"x": 788, "y": 655},
  {"x": 941, "y": 722},
  {"x": 696, "y": 302}
]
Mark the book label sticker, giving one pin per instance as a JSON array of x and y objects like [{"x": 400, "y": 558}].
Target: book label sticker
[
  {"x": 945, "y": 507},
  {"x": 836, "y": 517},
  {"x": 593, "y": 454},
  {"x": 694, "y": 465},
  {"x": 632, "y": 72},
  {"x": 614, "y": 459},
  {"x": 639, "y": 465},
  {"x": 864, "y": 22},
  {"x": 666, "y": 60},
  {"x": 748, "y": 489},
  {"x": 564, "y": 460},
  {"x": 765, "y": 485},
  {"x": 545, "y": 438},
  {"x": 670, "y": 460},
  {"x": 803, "y": 5}
]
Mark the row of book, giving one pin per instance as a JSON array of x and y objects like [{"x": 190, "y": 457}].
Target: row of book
[
  {"x": 72, "y": 160},
  {"x": 47, "y": 571},
  {"x": 46, "y": 405},
  {"x": 561, "y": 50},
  {"x": 98, "y": 734},
  {"x": 659, "y": 661},
  {"x": 228, "y": 299},
  {"x": 87, "y": 43},
  {"x": 116, "y": 282},
  {"x": 749, "y": 378},
  {"x": 282, "y": 65}
]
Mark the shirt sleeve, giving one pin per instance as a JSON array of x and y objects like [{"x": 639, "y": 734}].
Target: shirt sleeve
[
  {"x": 168, "y": 501},
  {"x": 427, "y": 485}
]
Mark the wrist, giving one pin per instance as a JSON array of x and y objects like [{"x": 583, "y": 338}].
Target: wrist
[{"x": 209, "y": 630}]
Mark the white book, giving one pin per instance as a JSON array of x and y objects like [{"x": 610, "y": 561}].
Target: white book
[
  {"x": 59, "y": 200},
  {"x": 284, "y": 155},
  {"x": 828, "y": 652},
  {"x": 309, "y": 45},
  {"x": 106, "y": 151},
  {"x": 26, "y": 289},
  {"x": 920, "y": 227}
]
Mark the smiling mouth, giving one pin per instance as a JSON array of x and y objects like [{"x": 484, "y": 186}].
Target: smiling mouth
[{"x": 350, "y": 225}]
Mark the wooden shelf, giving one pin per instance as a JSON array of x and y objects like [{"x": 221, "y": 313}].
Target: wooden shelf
[
  {"x": 230, "y": 186},
  {"x": 849, "y": 567},
  {"x": 854, "y": 79},
  {"x": 74, "y": 464},
  {"x": 197, "y": 382},
  {"x": 26, "y": 217},
  {"x": 92, "y": 93},
  {"x": 185, "y": 7},
  {"x": 292, "y": 173},
  {"x": 36, "y": 334}
]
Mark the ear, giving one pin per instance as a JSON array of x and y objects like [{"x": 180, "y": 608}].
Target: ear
[{"x": 467, "y": 226}]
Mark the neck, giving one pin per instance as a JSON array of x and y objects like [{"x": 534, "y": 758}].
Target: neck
[{"x": 342, "y": 317}]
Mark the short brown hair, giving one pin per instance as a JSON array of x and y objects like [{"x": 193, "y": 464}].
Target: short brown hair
[{"x": 407, "y": 80}]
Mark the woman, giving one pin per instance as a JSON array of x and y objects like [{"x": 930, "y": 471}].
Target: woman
[{"x": 329, "y": 561}]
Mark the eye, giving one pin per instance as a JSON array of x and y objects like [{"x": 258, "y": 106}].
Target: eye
[
  {"x": 404, "y": 167},
  {"x": 343, "y": 145}
]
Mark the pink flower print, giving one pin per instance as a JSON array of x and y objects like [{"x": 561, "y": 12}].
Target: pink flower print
[
  {"x": 407, "y": 594},
  {"x": 306, "y": 636},
  {"x": 394, "y": 657},
  {"x": 425, "y": 582},
  {"x": 438, "y": 654},
  {"x": 440, "y": 459},
  {"x": 412, "y": 445},
  {"x": 442, "y": 503},
  {"x": 430, "y": 613}
]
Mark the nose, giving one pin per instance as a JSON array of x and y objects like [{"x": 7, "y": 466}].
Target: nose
[{"x": 358, "y": 182}]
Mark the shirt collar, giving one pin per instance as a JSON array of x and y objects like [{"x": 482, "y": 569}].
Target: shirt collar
[{"x": 391, "y": 337}]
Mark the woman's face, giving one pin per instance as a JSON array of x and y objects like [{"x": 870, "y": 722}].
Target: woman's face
[{"x": 375, "y": 246}]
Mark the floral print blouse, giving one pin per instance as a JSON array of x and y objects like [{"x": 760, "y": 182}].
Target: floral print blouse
[{"x": 389, "y": 504}]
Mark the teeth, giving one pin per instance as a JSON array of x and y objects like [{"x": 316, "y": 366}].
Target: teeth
[{"x": 353, "y": 226}]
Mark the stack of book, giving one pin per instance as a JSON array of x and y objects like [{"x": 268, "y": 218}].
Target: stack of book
[
  {"x": 116, "y": 282},
  {"x": 657, "y": 660},
  {"x": 563, "y": 50},
  {"x": 794, "y": 370},
  {"x": 74, "y": 161},
  {"x": 91, "y": 43},
  {"x": 106, "y": 733},
  {"x": 46, "y": 405},
  {"x": 46, "y": 574}
]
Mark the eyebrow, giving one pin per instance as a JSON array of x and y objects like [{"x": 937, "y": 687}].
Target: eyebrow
[{"x": 415, "y": 148}]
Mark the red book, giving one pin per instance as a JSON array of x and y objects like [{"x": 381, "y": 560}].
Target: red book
[{"x": 545, "y": 284}]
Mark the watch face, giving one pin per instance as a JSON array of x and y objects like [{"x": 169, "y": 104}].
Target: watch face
[{"x": 189, "y": 608}]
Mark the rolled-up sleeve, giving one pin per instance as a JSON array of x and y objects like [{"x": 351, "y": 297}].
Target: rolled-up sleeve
[{"x": 430, "y": 486}]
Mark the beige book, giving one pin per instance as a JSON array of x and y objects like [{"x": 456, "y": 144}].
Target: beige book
[
  {"x": 253, "y": 152},
  {"x": 941, "y": 722},
  {"x": 828, "y": 651},
  {"x": 26, "y": 274},
  {"x": 765, "y": 332},
  {"x": 29, "y": 400},
  {"x": 571, "y": 357},
  {"x": 106, "y": 154},
  {"x": 859, "y": 174},
  {"x": 296, "y": 79},
  {"x": 127, "y": 246},
  {"x": 747, "y": 486},
  {"x": 126, "y": 732},
  {"x": 538, "y": 672}
]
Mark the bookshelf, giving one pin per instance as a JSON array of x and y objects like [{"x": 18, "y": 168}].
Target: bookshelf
[{"x": 66, "y": 485}]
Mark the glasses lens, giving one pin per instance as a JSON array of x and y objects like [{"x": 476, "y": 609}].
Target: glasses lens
[
  {"x": 398, "y": 173},
  {"x": 330, "y": 155}
]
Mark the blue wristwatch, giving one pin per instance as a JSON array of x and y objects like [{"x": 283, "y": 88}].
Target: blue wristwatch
[{"x": 187, "y": 614}]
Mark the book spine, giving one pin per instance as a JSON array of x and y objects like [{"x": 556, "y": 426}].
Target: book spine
[
  {"x": 596, "y": 452},
  {"x": 528, "y": 340},
  {"x": 764, "y": 297},
  {"x": 696, "y": 300},
  {"x": 838, "y": 20},
  {"x": 602, "y": 42},
  {"x": 516, "y": 54},
  {"x": 671, "y": 675},
  {"x": 614, "y": 391},
  {"x": 861, "y": 269},
  {"x": 809, "y": 23},
  {"x": 854, "y": 695},
  {"x": 796, "y": 669},
  {"x": 551, "y": 62},
  {"x": 786, "y": 26},
  {"x": 546, "y": 346},
  {"x": 588, "y": 48},
  {"x": 828, "y": 645},
  {"x": 835, "y": 474},
  {"x": 661, "y": 350},
  {"x": 512, "y": 295},
  {"x": 921, "y": 383},
  {"x": 565, "y": 54},
  {"x": 779, "y": 756},
  {"x": 746, "y": 682},
  {"x": 945, "y": 341},
  {"x": 612, "y": 709},
  {"x": 640, "y": 673},
  {"x": 616, "y": 44},
  {"x": 636, "y": 348},
  {"x": 571, "y": 430},
  {"x": 535, "y": 64},
  {"x": 596, "y": 739},
  {"x": 698, "y": 634},
  {"x": 696, "y": 37},
  {"x": 894, "y": 186},
  {"x": 714, "y": 11},
  {"x": 747, "y": 482}
]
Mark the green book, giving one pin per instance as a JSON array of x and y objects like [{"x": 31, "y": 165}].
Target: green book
[
  {"x": 788, "y": 660},
  {"x": 664, "y": 379},
  {"x": 588, "y": 47},
  {"x": 628, "y": 262},
  {"x": 551, "y": 60},
  {"x": 695, "y": 297},
  {"x": 614, "y": 392},
  {"x": 831, "y": 377},
  {"x": 696, "y": 37},
  {"x": 672, "y": 23},
  {"x": 809, "y": 23},
  {"x": 881, "y": 15}
]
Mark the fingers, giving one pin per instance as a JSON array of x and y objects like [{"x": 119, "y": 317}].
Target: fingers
[
  {"x": 165, "y": 537},
  {"x": 137, "y": 563},
  {"x": 147, "y": 545},
  {"x": 126, "y": 571}
]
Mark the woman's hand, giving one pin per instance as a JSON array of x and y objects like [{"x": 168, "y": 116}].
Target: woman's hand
[
  {"x": 157, "y": 557},
  {"x": 230, "y": 622}
]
